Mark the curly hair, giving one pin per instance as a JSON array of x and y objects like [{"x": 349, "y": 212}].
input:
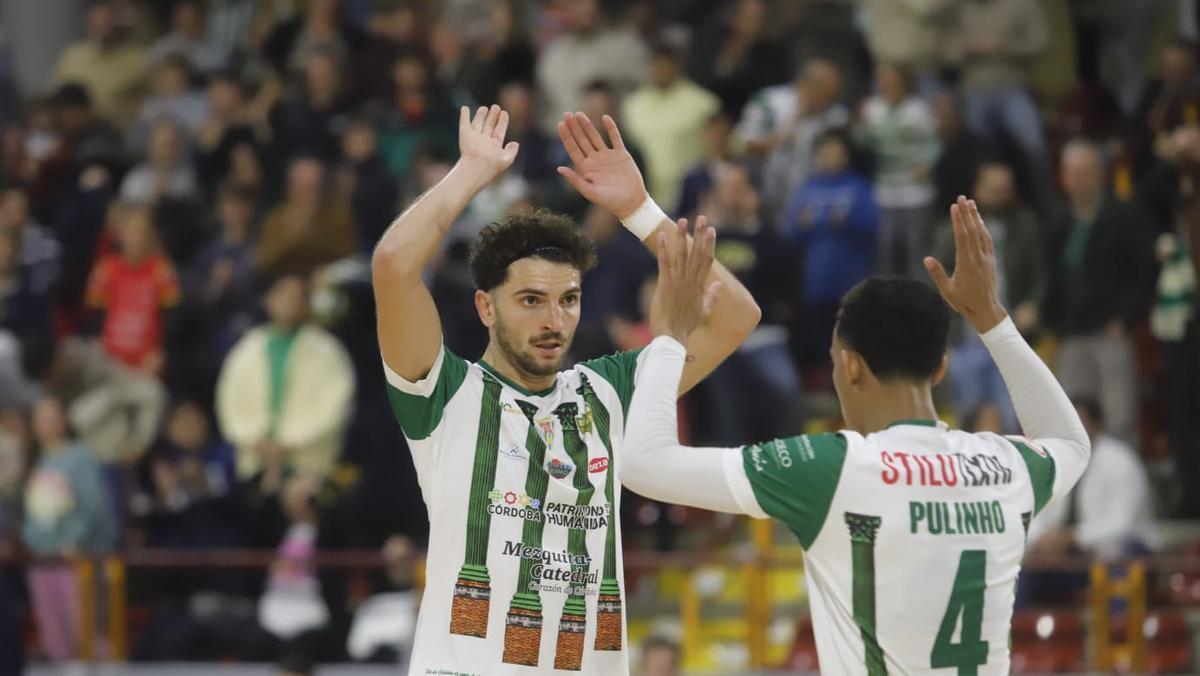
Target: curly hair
[{"x": 528, "y": 234}]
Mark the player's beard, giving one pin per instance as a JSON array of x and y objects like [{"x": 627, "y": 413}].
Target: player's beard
[{"x": 517, "y": 352}]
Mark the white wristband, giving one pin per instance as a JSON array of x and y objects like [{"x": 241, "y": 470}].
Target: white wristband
[{"x": 645, "y": 219}]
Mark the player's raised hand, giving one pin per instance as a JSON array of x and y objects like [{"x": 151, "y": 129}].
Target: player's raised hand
[
  {"x": 481, "y": 141},
  {"x": 606, "y": 176},
  {"x": 972, "y": 291},
  {"x": 682, "y": 300}
]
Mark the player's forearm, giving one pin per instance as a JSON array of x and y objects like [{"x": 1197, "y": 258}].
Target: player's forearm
[
  {"x": 652, "y": 462},
  {"x": 735, "y": 313},
  {"x": 413, "y": 238},
  {"x": 1043, "y": 407}
]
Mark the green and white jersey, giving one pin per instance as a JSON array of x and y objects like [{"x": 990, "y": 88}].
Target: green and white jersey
[
  {"x": 522, "y": 574},
  {"x": 913, "y": 538}
]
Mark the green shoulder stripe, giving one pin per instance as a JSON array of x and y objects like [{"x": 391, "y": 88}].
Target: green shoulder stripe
[
  {"x": 794, "y": 479},
  {"x": 1041, "y": 472},
  {"x": 618, "y": 369},
  {"x": 419, "y": 415}
]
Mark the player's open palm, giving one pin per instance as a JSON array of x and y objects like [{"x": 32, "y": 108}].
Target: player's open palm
[
  {"x": 606, "y": 176},
  {"x": 972, "y": 291},
  {"x": 481, "y": 139},
  {"x": 682, "y": 300}
]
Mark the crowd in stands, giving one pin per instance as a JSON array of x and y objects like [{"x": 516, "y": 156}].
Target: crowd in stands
[{"x": 190, "y": 192}]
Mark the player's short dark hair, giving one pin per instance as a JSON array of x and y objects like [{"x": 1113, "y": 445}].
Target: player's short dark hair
[
  {"x": 528, "y": 234},
  {"x": 901, "y": 327}
]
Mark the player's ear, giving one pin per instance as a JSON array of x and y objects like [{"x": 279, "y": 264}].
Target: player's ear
[
  {"x": 852, "y": 366},
  {"x": 940, "y": 373},
  {"x": 485, "y": 307}
]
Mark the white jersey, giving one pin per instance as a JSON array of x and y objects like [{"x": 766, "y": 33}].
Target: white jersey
[
  {"x": 523, "y": 573},
  {"x": 913, "y": 539}
]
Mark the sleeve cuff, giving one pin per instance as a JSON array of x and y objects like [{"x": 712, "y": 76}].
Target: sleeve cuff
[
  {"x": 739, "y": 484},
  {"x": 668, "y": 345},
  {"x": 420, "y": 388},
  {"x": 1005, "y": 329}
]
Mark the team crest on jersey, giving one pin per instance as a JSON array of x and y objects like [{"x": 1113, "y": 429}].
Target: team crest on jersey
[
  {"x": 559, "y": 469},
  {"x": 546, "y": 425},
  {"x": 585, "y": 421}
]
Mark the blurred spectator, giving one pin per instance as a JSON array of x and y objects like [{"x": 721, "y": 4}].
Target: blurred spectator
[
  {"x": 995, "y": 42},
  {"x": 1109, "y": 515},
  {"x": 961, "y": 152},
  {"x": 753, "y": 393},
  {"x": 392, "y": 28},
  {"x": 321, "y": 27},
  {"x": 24, "y": 308},
  {"x": 1170, "y": 100},
  {"x": 738, "y": 58},
  {"x": 292, "y": 608},
  {"x": 114, "y": 409},
  {"x": 134, "y": 289},
  {"x": 417, "y": 115},
  {"x": 38, "y": 252},
  {"x": 911, "y": 33},
  {"x": 660, "y": 657},
  {"x": 373, "y": 191},
  {"x": 588, "y": 51},
  {"x": 185, "y": 478},
  {"x": 502, "y": 56},
  {"x": 220, "y": 282},
  {"x": 900, "y": 129},
  {"x": 16, "y": 458},
  {"x": 231, "y": 23},
  {"x": 67, "y": 513},
  {"x": 89, "y": 138},
  {"x": 782, "y": 122},
  {"x": 1021, "y": 278},
  {"x": 385, "y": 623},
  {"x": 539, "y": 153},
  {"x": 698, "y": 181},
  {"x": 833, "y": 216},
  {"x": 284, "y": 394},
  {"x": 310, "y": 122},
  {"x": 1174, "y": 321},
  {"x": 166, "y": 174},
  {"x": 612, "y": 286},
  {"x": 665, "y": 117},
  {"x": 174, "y": 99},
  {"x": 111, "y": 67},
  {"x": 1093, "y": 311},
  {"x": 188, "y": 38},
  {"x": 310, "y": 228},
  {"x": 1110, "y": 44},
  {"x": 226, "y": 123}
]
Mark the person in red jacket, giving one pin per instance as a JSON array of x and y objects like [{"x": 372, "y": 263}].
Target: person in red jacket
[{"x": 133, "y": 288}]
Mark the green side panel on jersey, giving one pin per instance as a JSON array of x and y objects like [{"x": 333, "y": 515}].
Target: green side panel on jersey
[
  {"x": 794, "y": 479},
  {"x": 483, "y": 475},
  {"x": 862, "y": 528},
  {"x": 536, "y": 483},
  {"x": 618, "y": 370},
  {"x": 1041, "y": 472},
  {"x": 419, "y": 416},
  {"x": 601, "y": 419}
]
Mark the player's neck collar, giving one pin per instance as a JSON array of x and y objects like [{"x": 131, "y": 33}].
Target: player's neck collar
[
  {"x": 919, "y": 422},
  {"x": 515, "y": 385}
]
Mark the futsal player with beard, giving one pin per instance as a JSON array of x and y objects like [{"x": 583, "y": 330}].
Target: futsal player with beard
[{"x": 516, "y": 456}]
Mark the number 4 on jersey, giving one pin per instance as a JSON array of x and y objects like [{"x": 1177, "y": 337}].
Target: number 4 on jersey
[{"x": 966, "y": 600}]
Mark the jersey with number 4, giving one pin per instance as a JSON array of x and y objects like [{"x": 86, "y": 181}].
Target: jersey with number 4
[{"x": 913, "y": 539}]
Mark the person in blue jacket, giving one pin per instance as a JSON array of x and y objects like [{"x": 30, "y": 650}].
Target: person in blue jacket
[{"x": 833, "y": 218}]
